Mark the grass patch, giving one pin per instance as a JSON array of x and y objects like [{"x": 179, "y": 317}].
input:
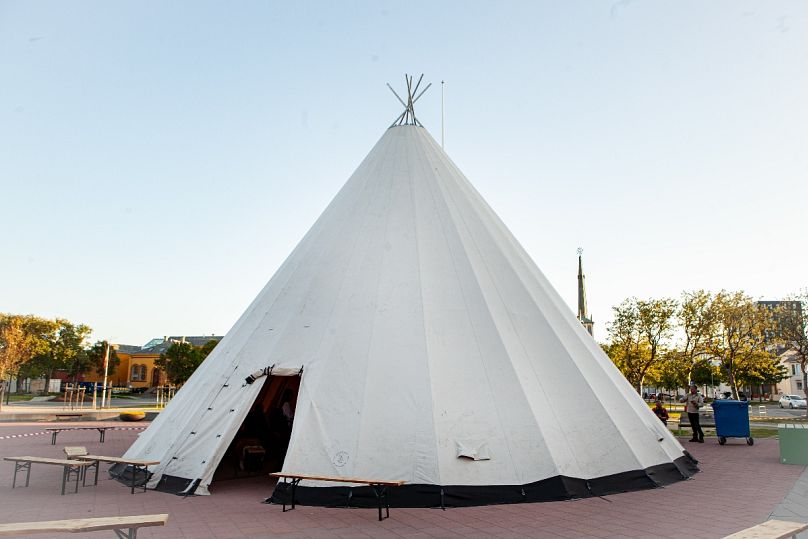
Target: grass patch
[
  {"x": 762, "y": 432},
  {"x": 775, "y": 419},
  {"x": 755, "y": 432},
  {"x": 17, "y": 398}
]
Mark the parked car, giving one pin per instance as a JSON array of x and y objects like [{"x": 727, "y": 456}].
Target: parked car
[{"x": 792, "y": 401}]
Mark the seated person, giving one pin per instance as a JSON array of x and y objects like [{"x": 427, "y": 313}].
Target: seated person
[{"x": 661, "y": 412}]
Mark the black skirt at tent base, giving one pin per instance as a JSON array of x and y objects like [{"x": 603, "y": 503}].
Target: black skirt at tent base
[
  {"x": 547, "y": 490},
  {"x": 123, "y": 474}
]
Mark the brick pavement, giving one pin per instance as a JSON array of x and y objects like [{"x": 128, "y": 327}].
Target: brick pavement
[{"x": 739, "y": 486}]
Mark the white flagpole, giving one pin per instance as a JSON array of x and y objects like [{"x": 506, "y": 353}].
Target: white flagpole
[{"x": 104, "y": 398}]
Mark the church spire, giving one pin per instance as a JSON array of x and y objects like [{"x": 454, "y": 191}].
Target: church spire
[{"x": 583, "y": 312}]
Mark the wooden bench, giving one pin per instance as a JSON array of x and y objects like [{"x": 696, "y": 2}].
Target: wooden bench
[
  {"x": 771, "y": 529},
  {"x": 379, "y": 487},
  {"x": 124, "y": 527},
  {"x": 705, "y": 421},
  {"x": 56, "y": 430},
  {"x": 137, "y": 465},
  {"x": 68, "y": 414},
  {"x": 69, "y": 467},
  {"x": 71, "y": 452}
]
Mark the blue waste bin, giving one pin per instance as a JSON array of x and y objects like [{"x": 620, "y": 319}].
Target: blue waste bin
[{"x": 732, "y": 420}]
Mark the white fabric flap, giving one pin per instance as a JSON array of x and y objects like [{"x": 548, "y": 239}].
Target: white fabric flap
[{"x": 473, "y": 449}]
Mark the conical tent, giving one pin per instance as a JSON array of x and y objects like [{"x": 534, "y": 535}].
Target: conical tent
[{"x": 432, "y": 350}]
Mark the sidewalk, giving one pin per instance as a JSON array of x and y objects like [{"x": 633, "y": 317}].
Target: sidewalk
[
  {"x": 47, "y": 410},
  {"x": 739, "y": 486}
]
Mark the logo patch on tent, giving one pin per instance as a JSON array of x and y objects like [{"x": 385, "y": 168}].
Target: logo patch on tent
[{"x": 340, "y": 459}]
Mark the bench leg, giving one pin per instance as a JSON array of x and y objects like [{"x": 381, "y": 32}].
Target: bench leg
[
  {"x": 73, "y": 470},
  {"x": 21, "y": 466},
  {"x": 294, "y": 489},
  {"x": 53, "y": 437},
  {"x": 381, "y": 495},
  {"x": 84, "y": 473},
  {"x": 64, "y": 479},
  {"x": 103, "y": 432},
  {"x": 134, "y": 475},
  {"x": 131, "y": 533}
]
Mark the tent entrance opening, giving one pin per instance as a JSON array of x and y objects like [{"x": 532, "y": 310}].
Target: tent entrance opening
[{"x": 260, "y": 444}]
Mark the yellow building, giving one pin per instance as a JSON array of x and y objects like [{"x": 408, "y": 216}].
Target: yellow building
[{"x": 137, "y": 367}]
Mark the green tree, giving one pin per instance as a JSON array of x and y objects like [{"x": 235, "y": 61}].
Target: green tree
[
  {"x": 738, "y": 341},
  {"x": 208, "y": 347},
  {"x": 65, "y": 351},
  {"x": 704, "y": 373},
  {"x": 96, "y": 354},
  {"x": 793, "y": 334},
  {"x": 180, "y": 361}
]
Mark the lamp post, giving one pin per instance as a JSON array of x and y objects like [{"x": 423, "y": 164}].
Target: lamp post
[
  {"x": 104, "y": 397},
  {"x": 106, "y": 372}
]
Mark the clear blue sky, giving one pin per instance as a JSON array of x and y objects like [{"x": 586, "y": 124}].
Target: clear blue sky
[{"x": 159, "y": 160}]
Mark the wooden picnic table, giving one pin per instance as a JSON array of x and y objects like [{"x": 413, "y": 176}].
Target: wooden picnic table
[
  {"x": 94, "y": 460},
  {"x": 56, "y": 430},
  {"x": 771, "y": 529},
  {"x": 69, "y": 467},
  {"x": 124, "y": 527},
  {"x": 379, "y": 486}
]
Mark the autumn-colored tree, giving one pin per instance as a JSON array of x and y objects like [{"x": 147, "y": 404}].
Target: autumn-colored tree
[
  {"x": 638, "y": 335},
  {"x": 696, "y": 318},
  {"x": 21, "y": 338},
  {"x": 739, "y": 339},
  {"x": 671, "y": 372},
  {"x": 792, "y": 329}
]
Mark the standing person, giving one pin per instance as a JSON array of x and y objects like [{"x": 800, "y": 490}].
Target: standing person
[
  {"x": 693, "y": 401},
  {"x": 661, "y": 412},
  {"x": 287, "y": 408}
]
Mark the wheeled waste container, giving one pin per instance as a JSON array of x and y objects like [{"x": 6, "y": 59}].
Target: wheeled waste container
[{"x": 732, "y": 420}]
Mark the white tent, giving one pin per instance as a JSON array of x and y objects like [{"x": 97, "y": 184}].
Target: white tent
[{"x": 431, "y": 349}]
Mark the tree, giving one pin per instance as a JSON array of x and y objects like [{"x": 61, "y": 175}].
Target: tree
[
  {"x": 208, "y": 347},
  {"x": 64, "y": 350},
  {"x": 638, "y": 334},
  {"x": 762, "y": 368},
  {"x": 696, "y": 317},
  {"x": 704, "y": 373},
  {"x": 793, "y": 333},
  {"x": 671, "y": 372},
  {"x": 180, "y": 361},
  {"x": 656, "y": 323},
  {"x": 96, "y": 354},
  {"x": 739, "y": 341},
  {"x": 21, "y": 338}
]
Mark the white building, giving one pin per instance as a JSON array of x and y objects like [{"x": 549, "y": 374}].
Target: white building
[{"x": 793, "y": 385}]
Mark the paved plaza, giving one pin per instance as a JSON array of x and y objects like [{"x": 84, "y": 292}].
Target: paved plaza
[{"x": 739, "y": 486}]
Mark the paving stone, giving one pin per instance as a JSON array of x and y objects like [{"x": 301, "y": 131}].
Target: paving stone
[{"x": 739, "y": 486}]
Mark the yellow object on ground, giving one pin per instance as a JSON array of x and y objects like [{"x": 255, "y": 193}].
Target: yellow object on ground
[{"x": 132, "y": 416}]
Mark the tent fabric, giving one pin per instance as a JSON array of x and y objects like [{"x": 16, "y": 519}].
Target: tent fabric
[{"x": 421, "y": 325}]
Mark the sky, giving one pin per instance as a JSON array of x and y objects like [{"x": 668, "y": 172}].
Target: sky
[{"x": 159, "y": 160}]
